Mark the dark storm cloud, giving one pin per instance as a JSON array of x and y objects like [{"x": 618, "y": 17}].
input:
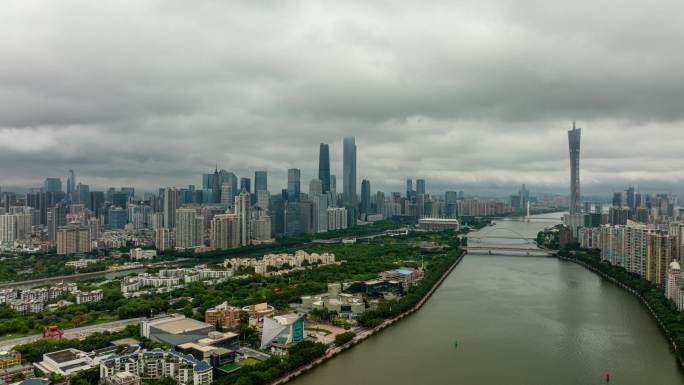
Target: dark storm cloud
[{"x": 150, "y": 93}]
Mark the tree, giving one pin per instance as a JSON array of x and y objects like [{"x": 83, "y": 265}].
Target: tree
[{"x": 343, "y": 338}]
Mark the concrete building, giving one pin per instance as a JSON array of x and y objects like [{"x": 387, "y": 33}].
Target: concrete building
[
  {"x": 189, "y": 229},
  {"x": 439, "y": 224},
  {"x": 337, "y": 218},
  {"x": 228, "y": 317},
  {"x": 261, "y": 230},
  {"x": 675, "y": 284},
  {"x": 74, "y": 239},
  {"x": 65, "y": 362},
  {"x": 122, "y": 378},
  {"x": 406, "y": 275},
  {"x": 174, "y": 329},
  {"x": 8, "y": 228},
  {"x": 89, "y": 296},
  {"x": 243, "y": 211},
  {"x": 171, "y": 204},
  {"x": 156, "y": 364},
  {"x": 225, "y": 231},
  {"x": 164, "y": 238}
]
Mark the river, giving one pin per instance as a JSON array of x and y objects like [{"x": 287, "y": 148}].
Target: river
[{"x": 518, "y": 320}]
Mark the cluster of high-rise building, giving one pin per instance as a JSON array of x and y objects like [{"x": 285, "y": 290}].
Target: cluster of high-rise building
[{"x": 227, "y": 211}]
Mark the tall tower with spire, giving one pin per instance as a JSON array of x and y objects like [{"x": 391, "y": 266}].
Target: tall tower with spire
[{"x": 574, "y": 136}]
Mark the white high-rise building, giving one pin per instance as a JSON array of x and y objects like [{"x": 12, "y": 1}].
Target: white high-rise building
[
  {"x": 337, "y": 218},
  {"x": 320, "y": 213},
  {"x": 225, "y": 231},
  {"x": 675, "y": 285},
  {"x": 261, "y": 229},
  {"x": 8, "y": 228},
  {"x": 242, "y": 209},
  {"x": 189, "y": 229},
  {"x": 315, "y": 187},
  {"x": 263, "y": 199}
]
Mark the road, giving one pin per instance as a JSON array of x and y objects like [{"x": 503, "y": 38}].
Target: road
[
  {"x": 79, "y": 332},
  {"x": 80, "y": 276}
]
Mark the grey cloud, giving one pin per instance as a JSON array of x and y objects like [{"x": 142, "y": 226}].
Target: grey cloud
[{"x": 151, "y": 93}]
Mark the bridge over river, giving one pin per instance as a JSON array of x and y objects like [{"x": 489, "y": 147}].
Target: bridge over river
[{"x": 503, "y": 240}]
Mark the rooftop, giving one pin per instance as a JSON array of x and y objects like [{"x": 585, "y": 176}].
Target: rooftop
[
  {"x": 64, "y": 355},
  {"x": 181, "y": 325}
]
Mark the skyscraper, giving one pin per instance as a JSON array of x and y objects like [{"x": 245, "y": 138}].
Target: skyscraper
[
  {"x": 574, "y": 136},
  {"x": 170, "y": 206},
  {"x": 227, "y": 194},
  {"x": 293, "y": 184},
  {"x": 365, "y": 198},
  {"x": 333, "y": 190},
  {"x": 315, "y": 187},
  {"x": 631, "y": 203},
  {"x": 349, "y": 171},
  {"x": 52, "y": 185},
  {"x": 260, "y": 181},
  {"x": 246, "y": 184},
  {"x": 225, "y": 231},
  {"x": 71, "y": 185},
  {"x": 324, "y": 167},
  {"x": 617, "y": 199},
  {"x": 242, "y": 209},
  {"x": 420, "y": 186},
  {"x": 409, "y": 188},
  {"x": 189, "y": 232}
]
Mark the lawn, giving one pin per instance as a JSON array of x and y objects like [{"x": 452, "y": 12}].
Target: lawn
[
  {"x": 249, "y": 362},
  {"x": 228, "y": 368}
]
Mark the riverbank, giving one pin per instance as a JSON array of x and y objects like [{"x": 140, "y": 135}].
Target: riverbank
[
  {"x": 663, "y": 327},
  {"x": 331, "y": 353}
]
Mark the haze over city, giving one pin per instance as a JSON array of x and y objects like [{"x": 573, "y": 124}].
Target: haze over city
[{"x": 468, "y": 95}]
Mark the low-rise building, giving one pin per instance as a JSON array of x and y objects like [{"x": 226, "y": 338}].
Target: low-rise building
[
  {"x": 80, "y": 263},
  {"x": 281, "y": 332},
  {"x": 139, "y": 253},
  {"x": 406, "y": 275},
  {"x": 228, "y": 317},
  {"x": 122, "y": 378},
  {"x": 9, "y": 359},
  {"x": 8, "y": 375},
  {"x": 439, "y": 224},
  {"x": 64, "y": 362},
  {"x": 157, "y": 363},
  {"x": 174, "y": 329},
  {"x": 89, "y": 296}
]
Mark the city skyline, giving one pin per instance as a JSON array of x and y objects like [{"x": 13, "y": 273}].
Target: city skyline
[{"x": 453, "y": 119}]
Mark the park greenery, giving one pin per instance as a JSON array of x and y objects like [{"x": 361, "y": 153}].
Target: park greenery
[
  {"x": 33, "y": 352},
  {"x": 274, "y": 367},
  {"x": 358, "y": 262},
  {"x": 664, "y": 309},
  {"x": 343, "y": 338}
]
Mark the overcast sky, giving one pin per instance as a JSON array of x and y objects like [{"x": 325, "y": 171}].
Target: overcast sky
[{"x": 467, "y": 94}]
